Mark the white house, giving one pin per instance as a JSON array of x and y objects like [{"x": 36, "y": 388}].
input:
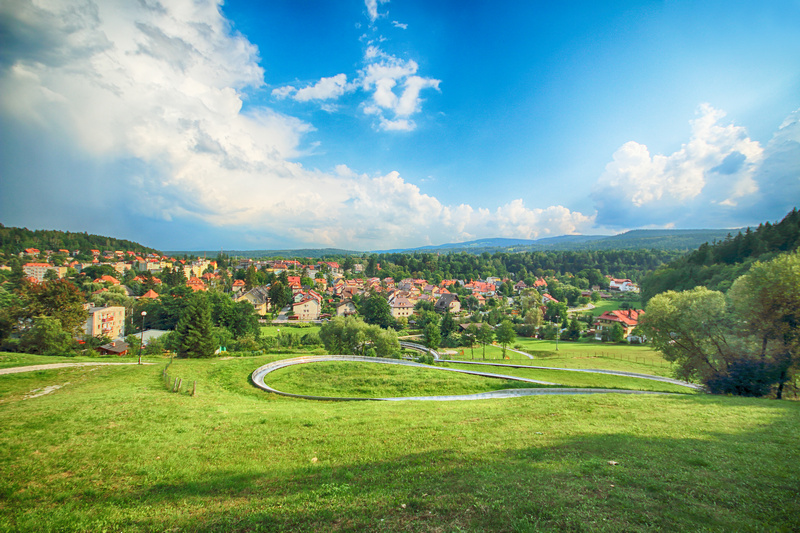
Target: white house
[{"x": 622, "y": 285}]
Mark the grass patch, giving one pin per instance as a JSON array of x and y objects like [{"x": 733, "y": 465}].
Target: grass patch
[
  {"x": 581, "y": 379},
  {"x": 602, "y": 306},
  {"x": 628, "y": 358},
  {"x": 272, "y": 331},
  {"x": 117, "y": 452},
  {"x": 373, "y": 380}
]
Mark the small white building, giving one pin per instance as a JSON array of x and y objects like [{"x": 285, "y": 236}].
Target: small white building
[{"x": 622, "y": 285}]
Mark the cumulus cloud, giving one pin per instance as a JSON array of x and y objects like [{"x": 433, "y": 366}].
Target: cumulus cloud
[
  {"x": 324, "y": 89},
  {"x": 391, "y": 84},
  {"x": 372, "y": 8},
  {"x": 400, "y": 25},
  {"x": 395, "y": 88},
  {"x": 710, "y": 175},
  {"x": 153, "y": 94}
]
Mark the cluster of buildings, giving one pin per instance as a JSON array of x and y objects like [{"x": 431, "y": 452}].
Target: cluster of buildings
[
  {"x": 116, "y": 259},
  {"x": 330, "y": 287}
]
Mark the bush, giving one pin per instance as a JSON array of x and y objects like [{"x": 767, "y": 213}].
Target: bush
[
  {"x": 453, "y": 340},
  {"x": 311, "y": 339},
  {"x": 745, "y": 377},
  {"x": 424, "y": 358},
  {"x": 46, "y": 337}
]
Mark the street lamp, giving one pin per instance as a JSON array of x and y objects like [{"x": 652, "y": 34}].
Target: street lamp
[
  {"x": 558, "y": 330},
  {"x": 141, "y": 342}
]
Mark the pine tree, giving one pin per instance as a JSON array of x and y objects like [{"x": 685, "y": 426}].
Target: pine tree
[{"x": 195, "y": 335}]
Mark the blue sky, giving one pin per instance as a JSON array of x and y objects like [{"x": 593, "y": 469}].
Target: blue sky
[{"x": 371, "y": 125}]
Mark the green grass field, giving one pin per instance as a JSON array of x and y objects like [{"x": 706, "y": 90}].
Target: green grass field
[
  {"x": 602, "y": 306},
  {"x": 114, "y": 450},
  {"x": 272, "y": 331},
  {"x": 641, "y": 358}
]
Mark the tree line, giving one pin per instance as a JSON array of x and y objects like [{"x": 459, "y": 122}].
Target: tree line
[
  {"x": 717, "y": 265},
  {"x": 15, "y": 240}
]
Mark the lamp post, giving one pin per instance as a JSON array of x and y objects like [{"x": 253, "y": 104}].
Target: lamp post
[
  {"x": 141, "y": 342},
  {"x": 558, "y": 330}
]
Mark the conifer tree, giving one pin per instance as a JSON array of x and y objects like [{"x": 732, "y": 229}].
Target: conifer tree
[{"x": 195, "y": 329}]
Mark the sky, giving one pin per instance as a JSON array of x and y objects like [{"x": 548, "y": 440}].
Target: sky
[{"x": 372, "y": 124}]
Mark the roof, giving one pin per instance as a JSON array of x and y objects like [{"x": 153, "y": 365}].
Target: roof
[
  {"x": 629, "y": 317},
  {"x": 402, "y": 303},
  {"x": 150, "y": 294},
  {"x": 116, "y": 347},
  {"x": 446, "y": 299}
]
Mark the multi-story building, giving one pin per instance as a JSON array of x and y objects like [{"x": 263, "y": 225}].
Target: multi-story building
[
  {"x": 38, "y": 270},
  {"x": 108, "y": 321}
]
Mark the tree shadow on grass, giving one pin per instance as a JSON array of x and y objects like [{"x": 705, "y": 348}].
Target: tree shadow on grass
[{"x": 600, "y": 481}]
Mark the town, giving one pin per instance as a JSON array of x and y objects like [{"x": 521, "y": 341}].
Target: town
[{"x": 121, "y": 286}]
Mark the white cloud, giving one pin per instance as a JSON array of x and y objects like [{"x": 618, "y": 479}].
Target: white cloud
[
  {"x": 284, "y": 92},
  {"x": 515, "y": 220},
  {"x": 399, "y": 25},
  {"x": 162, "y": 87},
  {"x": 382, "y": 78},
  {"x": 372, "y": 9},
  {"x": 325, "y": 89},
  {"x": 713, "y": 172},
  {"x": 392, "y": 85}
]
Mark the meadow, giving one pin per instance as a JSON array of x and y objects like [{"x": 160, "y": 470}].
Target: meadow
[
  {"x": 113, "y": 449},
  {"x": 581, "y": 354}
]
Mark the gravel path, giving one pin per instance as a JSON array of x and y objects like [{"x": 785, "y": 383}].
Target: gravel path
[{"x": 33, "y": 368}]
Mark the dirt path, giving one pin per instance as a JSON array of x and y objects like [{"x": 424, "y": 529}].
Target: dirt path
[{"x": 33, "y": 368}]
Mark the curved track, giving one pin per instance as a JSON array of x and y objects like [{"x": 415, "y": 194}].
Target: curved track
[
  {"x": 587, "y": 370},
  {"x": 259, "y": 374}
]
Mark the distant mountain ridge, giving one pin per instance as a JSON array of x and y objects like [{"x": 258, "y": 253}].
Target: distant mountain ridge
[
  {"x": 312, "y": 253},
  {"x": 659, "y": 239}
]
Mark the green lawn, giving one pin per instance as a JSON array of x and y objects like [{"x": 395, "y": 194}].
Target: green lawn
[
  {"x": 580, "y": 379},
  {"x": 372, "y": 380},
  {"x": 629, "y": 358},
  {"x": 114, "y": 450},
  {"x": 602, "y": 306},
  {"x": 272, "y": 331}
]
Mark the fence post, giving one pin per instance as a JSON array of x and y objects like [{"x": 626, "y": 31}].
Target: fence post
[
  {"x": 180, "y": 382},
  {"x": 175, "y": 385},
  {"x": 194, "y": 387}
]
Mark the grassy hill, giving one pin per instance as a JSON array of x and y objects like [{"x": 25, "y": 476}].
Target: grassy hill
[{"x": 113, "y": 449}]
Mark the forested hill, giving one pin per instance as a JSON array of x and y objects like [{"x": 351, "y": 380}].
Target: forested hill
[
  {"x": 14, "y": 240},
  {"x": 716, "y": 266},
  {"x": 641, "y": 239}
]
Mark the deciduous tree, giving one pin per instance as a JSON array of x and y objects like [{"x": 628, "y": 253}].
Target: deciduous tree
[
  {"x": 692, "y": 329},
  {"x": 505, "y": 335}
]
